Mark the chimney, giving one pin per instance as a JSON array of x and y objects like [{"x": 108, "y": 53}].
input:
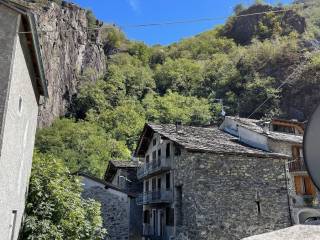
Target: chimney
[
  {"x": 178, "y": 126},
  {"x": 266, "y": 127}
]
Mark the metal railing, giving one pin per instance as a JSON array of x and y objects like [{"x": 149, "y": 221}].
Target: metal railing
[
  {"x": 162, "y": 196},
  {"x": 297, "y": 165},
  {"x": 154, "y": 167}
]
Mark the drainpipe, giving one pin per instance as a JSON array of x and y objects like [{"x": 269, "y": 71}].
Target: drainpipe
[{"x": 289, "y": 206}]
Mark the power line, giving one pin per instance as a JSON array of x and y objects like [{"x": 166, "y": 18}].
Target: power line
[
  {"x": 179, "y": 22},
  {"x": 300, "y": 67}
]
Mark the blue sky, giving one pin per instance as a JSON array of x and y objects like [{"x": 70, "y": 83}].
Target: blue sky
[{"x": 130, "y": 12}]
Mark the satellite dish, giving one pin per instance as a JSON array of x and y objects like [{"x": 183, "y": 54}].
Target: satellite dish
[{"x": 311, "y": 147}]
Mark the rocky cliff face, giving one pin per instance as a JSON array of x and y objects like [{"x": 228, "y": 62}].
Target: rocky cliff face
[{"x": 69, "y": 52}]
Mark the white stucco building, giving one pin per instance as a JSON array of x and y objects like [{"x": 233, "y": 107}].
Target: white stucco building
[{"x": 22, "y": 82}]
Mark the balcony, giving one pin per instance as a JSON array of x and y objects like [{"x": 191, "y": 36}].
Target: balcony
[
  {"x": 153, "y": 168},
  {"x": 148, "y": 231},
  {"x": 163, "y": 196},
  {"x": 297, "y": 165}
]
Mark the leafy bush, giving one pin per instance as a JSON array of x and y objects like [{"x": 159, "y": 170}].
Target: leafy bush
[{"x": 55, "y": 209}]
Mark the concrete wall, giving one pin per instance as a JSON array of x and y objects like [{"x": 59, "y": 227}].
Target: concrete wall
[
  {"x": 219, "y": 194},
  {"x": 18, "y": 133}
]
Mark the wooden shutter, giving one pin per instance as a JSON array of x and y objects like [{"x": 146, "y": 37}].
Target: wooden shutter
[
  {"x": 309, "y": 186},
  {"x": 298, "y": 185}
]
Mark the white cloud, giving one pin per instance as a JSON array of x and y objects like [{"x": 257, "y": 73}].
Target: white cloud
[{"x": 135, "y": 5}]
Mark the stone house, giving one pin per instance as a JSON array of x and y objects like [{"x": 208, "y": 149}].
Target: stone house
[
  {"x": 285, "y": 137},
  {"x": 120, "y": 214},
  {"x": 202, "y": 183},
  {"x": 123, "y": 174},
  {"x": 22, "y": 84}
]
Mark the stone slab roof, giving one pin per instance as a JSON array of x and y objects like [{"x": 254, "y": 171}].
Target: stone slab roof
[
  {"x": 297, "y": 232},
  {"x": 106, "y": 184},
  {"x": 125, "y": 163},
  {"x": 201, "y": 139},
  {"x": 253, "y": 124}
]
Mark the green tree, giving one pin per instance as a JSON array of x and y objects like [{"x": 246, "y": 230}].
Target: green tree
[
  {"x": 55, "y": 209},
  {"x": 83, "y": 146},
  {"x": 181, "y": 75},
  {"x": 173, "y": 107},
  {"x": 123, "y": 123},
  {"x": 257, "y": 90}
]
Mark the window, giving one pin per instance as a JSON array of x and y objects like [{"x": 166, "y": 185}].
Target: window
[
  {"x": 154, "y": 185},
  {"x": 154, "y": 141},
  {"x": 178, "y": 207},
  {"x": 258, "y": 206},
  {"x": 154, "y": 155},
  {"x": 168, "y": 181},
  {"x": 147, "y": 186},
  {"x": 169, "y": 216},
  {"x": 159, "y": 157},
  {"x": 147, "y": 159},
  {"x": 146, "y": 216},
  {"x": 177, "y": 151},
  {"x": 159, "y": 184},
  {"x": 168, "y": 150}
]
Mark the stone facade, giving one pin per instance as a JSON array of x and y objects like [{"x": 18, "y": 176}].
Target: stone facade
[
  {"x": 114, "y": 208},
  {"x": 220, "y": 195},
  {"x": 120, "y": 213},
  {"x": 219, "y": 189},
  {"x": 284, "y": 137}
]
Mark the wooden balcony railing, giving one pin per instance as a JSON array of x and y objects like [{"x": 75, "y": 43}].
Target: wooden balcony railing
[
  {"x": 156, "y": 166},
  {"x": 297, "y": 165}
]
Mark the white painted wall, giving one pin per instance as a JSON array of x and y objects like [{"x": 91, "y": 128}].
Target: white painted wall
[
  {"x": 18, "y": 142},
  {"x": 253, "y": 139}
]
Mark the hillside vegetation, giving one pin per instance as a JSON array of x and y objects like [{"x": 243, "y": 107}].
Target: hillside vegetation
[
  {"x": 239, "y": 64},
  {"x": 233, "y": 67}
]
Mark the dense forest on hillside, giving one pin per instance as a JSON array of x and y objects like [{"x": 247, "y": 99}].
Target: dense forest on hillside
[
  {"x": 233, "y": 68},
  {"x": 191, "y": 81}
]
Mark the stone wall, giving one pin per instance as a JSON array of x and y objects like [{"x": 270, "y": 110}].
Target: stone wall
[
  {"x": 219, "y": 194},
  {"x": 114, "y": 207}
]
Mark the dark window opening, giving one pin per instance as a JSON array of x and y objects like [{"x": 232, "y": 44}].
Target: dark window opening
[
  {"x": 177, "y": 151},
  {"x": 146, "y": 216},
  {"x": 154, "y": 185},
  {"x": 178, "y": 206},
  {"x": 168, "y": 181},
  {"x": 147, "y": 159},
  {"x": 147, "y": 186},
  {"x": 159, "y": 157},
  {"x": 258, "y": 207},
  {"x": 169, "y": 216},
  {"x": 168, "y": 150},
  {"x": 154, "y": 142},
  {"x": 159, "y": 184}
]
